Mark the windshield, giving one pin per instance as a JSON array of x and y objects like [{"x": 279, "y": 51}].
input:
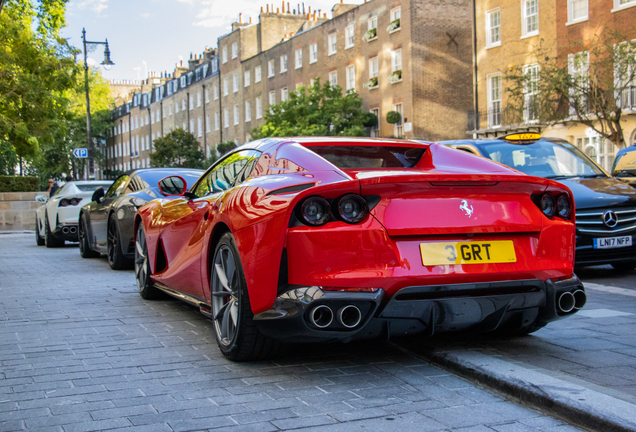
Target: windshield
[
  {"x": 544, "y": 159},
  {"x": 356, "y": 157},
  {"x": 625, "y": 165},
  {"x": 92, "y": 186}
]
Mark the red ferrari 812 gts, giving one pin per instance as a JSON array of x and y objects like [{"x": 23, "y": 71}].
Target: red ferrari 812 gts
[{"x": 335, "y": 239}]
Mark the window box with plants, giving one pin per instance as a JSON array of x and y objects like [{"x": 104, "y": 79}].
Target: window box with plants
[
  {"x": 371, "y": 84},
  {"x": 394, "y": 26},
  {"x": 370, "y": 35},
  {"x": 396, "y": 76}
]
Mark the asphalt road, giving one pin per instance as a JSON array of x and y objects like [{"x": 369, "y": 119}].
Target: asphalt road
[
  {"x": 81, "y": 351},
  {"x": 606, "y": 275}
]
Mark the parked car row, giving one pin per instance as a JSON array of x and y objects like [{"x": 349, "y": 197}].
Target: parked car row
[{"x": 336, "y": 239}]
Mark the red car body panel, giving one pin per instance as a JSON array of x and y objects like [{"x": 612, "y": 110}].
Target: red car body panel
[{"x": 416, "y": 205}]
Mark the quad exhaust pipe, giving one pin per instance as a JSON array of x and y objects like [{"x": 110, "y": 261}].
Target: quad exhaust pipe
[
  {"x": 321, "y": 316},
  {"x": 571, "y": 301},
  {"x": 580, "y": 298},
  {"x": 65, "y": 230},
  {"x": 73, "y": 230},
  {"x": 349, "y": 316}
]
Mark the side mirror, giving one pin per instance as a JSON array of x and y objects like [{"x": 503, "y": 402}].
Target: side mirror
[
  {"x": 41, "y": 199},
  {"x": 98, "y": 195},
  {"x": 173, "y": 186}
]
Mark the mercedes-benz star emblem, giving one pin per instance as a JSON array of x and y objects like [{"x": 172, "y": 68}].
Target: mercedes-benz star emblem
[{"x": 610, "y": 219}]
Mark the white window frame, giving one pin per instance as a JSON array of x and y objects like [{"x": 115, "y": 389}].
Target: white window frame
[
  {"x": 217, "y": 121},
  {"x": 531, "y": 88},
  {"x": 618, "y": 6},
  {"x": 349, "y": 36},
  {"x": 224, "y": 55},
  {"x": 236, "y": 115},
  {"x": 284, "y": 94},
  {"x": 396, "y": 13},
  {"x": 571, "y": 18},
  {"x": 375, "y": 130},
  {"x": 235, "y": 82},
  {"x": 374, "y": 71},
  {"x": 582, "y": 69},
  {"x": 234, "y": 50},
  {"x": 332, "y": 43},
  {"x": 246, "y": 78},
  {"x": 257, "y": 74},
  {"x": 272, "y": 98},
  {"x": 283, "y": 63},
  {"x": 395, "y": 56},
  {"x": 199, "y": 99},
  {"x": 351, "y": 77},
  {"x": 494, "y": 105},
  {"x": 226, "y": 117},
  {"x": 248, "y": 111},
  {"x": 226, "y": 87},
  {"x": 259, "y": 108},
  {"x": 199, "y": 127},
  {"x": 525, "y": 17},
  {"x": 372, "y": 23},
  {"x": 191, "y": 101},
  {"x": 298, "y": 58},
  {"x": 398, "y": 128},
  {"x": 271, "y": 68},
  {"x": 313, "y": 53},
  {"x": 333, "y": 78},
  {"x": 489, "y": 42},
  {"x": 207, "y": 95},
  {"x": 215, "y": 92}
]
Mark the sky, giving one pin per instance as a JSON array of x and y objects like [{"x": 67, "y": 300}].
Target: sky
[{"x": 153, "y": 35}]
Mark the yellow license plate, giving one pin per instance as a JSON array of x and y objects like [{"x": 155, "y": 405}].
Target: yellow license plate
[{"x": 473, "y": 252}]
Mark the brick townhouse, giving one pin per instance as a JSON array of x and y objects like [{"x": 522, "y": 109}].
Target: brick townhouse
[
  {"x": 411, "y": 56},
  {"x": 508, "y": 33}
]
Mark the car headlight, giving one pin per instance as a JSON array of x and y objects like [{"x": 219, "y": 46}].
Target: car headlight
[
  {"x": 563, "y": 207},
  {"x": 315, "y": 211},
  {"x": 352, "y": 208},
  {"x": 547, "y": 205}
]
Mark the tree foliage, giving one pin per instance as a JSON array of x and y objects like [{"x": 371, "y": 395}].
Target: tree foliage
[
  {"x": 318, "y": 110},
  {"x": 178, "y": 149},
  {"x": 590, "y": 87},
  {"x": 36, "y": 68}
]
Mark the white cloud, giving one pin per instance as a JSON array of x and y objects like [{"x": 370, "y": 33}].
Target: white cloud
[
  {"x": 145, "y": 15},
  {"x": 95, "y": 5}
]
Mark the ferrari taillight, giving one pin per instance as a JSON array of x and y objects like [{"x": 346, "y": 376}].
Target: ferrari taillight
[
  {"x": 555, "y": 204},
  {"x": 315, "y": 211},
  {"x": 352, "y": 208}
]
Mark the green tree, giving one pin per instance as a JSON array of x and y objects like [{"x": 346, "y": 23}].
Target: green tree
[
  {"x": 225, "y": 147},
  {"x": 319, "y": 110},
  {"x": 179, "y": 149},
  {"x": 590, "y": 87},
  {"x": 36, "y": 68}
]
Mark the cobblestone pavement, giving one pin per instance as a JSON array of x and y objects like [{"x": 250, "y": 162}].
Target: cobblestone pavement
[
  {"x": 595, "y": 348},
  {"x": 81, "y": 351}
]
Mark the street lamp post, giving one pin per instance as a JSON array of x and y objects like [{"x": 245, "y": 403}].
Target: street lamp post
[{"x": 107, "y": 65}]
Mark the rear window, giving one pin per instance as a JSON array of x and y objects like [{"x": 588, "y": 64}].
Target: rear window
[
  {"x": 358, "y": 157},
  {"x": 93, "y": 186}
]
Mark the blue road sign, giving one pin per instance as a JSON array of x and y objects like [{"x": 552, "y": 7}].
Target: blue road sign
[{"x": 80, "y": 153}]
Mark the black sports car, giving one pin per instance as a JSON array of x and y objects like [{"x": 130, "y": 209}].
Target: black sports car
[
  {"x": 106, "y": 224},
  {"x": 605, "y": 207}
]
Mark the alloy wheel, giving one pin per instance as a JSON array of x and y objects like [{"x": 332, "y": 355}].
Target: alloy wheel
[
  {"x": 112, "y": 242},
  {"x": 141, "y": 259},
  {"x": 225, "y": 295}
]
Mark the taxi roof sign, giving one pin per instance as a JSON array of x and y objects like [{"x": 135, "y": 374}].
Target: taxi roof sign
[{"x": 522, "y": 137}]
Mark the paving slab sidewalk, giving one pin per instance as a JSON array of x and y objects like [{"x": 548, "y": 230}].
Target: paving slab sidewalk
[
  {"x": 582, "y": 368},
  {"x": 81, "y": 351}
]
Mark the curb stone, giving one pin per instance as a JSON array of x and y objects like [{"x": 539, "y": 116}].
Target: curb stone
[{"x": 578, "y": 405}]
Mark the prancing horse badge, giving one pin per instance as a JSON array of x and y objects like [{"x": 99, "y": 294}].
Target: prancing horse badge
[{"x": 465, "y": 207}]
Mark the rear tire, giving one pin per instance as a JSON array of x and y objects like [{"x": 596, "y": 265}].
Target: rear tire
[
  {"x": 84, "y": 245},
  {"x": 116, "y": 258},
  {"x": 38, "y": 239},
  {"x": 145, "y": 285},
  {"x": 624, "y": 266},
  {"x": 50, "y": 241},
  {"x": 238, "y": 337}
]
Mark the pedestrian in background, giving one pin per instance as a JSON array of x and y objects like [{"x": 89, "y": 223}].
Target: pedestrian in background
[{"x": 53, "y": 187}]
